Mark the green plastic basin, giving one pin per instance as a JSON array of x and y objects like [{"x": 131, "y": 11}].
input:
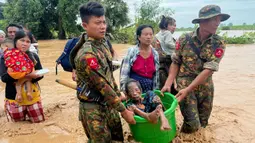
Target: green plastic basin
[{"x": 146, "y": 132}]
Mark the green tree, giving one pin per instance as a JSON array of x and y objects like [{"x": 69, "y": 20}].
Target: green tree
[
  {"x": 24, "y": 12},
  {"x": 45, "y": 17},
  {"x": 116, "y": 14},
  {"x": 150, "y": 12},
  {"x": 49, "y": 20},
  {"x": 1, "y": 11}
]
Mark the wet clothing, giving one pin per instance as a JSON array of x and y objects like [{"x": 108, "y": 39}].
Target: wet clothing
[
  {"x": 92, "y": 61},
  {"x": 126, "y": 69},
  {"x": 150, "y": 101},
  {"x": 18, "y": 111},
  {"x": 101, "y": 123},
  {"x": 10, "y": 90},
  {"x": 197, "y": 105}
]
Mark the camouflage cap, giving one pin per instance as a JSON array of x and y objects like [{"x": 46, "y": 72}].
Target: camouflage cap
[{"x": 210, "y": 11}]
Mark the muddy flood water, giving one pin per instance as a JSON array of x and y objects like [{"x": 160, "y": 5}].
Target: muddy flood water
[{"x": 232, "y": 119}]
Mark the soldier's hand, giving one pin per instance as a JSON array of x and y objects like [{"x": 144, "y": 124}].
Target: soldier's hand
[
  {"x": 166, "y": 88},
  {"x": 74, "y": 75},
  {"x": 175, "y": 84},
  {"x": 182, "y": 94},
  {"x": 128, "y": 116}
]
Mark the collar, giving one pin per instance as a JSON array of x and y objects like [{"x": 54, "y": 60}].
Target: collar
[
  {"x": 93, "y": 40},
  {"x": 196, "y": 33}
]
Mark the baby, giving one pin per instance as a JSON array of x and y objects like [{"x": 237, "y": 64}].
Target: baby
[
  {"x": 18, "y": 66},
  {"x": 149, "y": 107}
]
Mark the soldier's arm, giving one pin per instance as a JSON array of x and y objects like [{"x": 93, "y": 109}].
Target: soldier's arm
[
  {"x": 214, "y": 58},
  {"x": 92, "y": 69},
  {"x": 212, "y": 65}
]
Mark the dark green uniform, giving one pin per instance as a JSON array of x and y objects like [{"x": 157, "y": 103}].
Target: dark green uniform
[
  {"x": 100, "y": 104},
  {"x": 197, "y": 106}
]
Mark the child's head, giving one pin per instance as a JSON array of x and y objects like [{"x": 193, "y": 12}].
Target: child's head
[
  {"x": 133, "y": 89},
  {"x": 2, "y": 36},
  {"x": 7, "y": 43}
]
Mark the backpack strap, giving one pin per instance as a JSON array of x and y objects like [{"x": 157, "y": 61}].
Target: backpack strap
[{"x": 194, "y": 48}]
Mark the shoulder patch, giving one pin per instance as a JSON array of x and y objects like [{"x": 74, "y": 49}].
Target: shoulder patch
[
  {"x": 219, "y": 52},
  {"x": 177, "y": 45},
  {"x": 92, "y": 63}
]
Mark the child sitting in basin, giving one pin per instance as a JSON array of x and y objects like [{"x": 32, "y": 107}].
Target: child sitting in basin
[{"x": 149, "y": 107}]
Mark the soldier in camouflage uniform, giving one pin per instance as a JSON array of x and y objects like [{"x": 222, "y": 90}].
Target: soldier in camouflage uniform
[
  {"x": 99, "y": 94},
  {"x": 196, "y": 58}
]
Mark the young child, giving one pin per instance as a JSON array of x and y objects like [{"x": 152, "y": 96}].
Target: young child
[
  {"x": 149, "y": 107},
  {"x": 18, "y": 66}
]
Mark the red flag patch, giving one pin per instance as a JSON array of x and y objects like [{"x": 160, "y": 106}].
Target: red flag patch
[
  {"x": 92, "y": 63},
  {"x": 218, "y": 52},
  {"x": 177, "y": 45}
]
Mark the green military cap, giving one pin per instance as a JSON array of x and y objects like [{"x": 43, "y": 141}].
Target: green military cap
[{"x": 210, "y": 11}]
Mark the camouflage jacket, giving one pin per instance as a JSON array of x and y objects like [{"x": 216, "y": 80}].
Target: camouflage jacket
[
  {"x": 187, "y": 59},
  {"x": 92, "y": 60}
]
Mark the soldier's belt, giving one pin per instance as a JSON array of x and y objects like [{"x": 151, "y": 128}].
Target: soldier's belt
[{"x": 89, "y": 95}]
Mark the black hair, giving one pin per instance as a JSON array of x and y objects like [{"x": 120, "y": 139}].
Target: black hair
[
  {"x": 13, "y": 25},
  {"x": 129, "y": 81},
  {"x": 140, "y": 29},
  {"x": 165, "y": 21},
  {"x": 21, "y": 34},
  {"x": 91, "y": 9}
]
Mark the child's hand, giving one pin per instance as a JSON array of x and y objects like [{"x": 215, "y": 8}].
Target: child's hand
[
  {"x": 131, "y": 108},
  {"x": 122, "y": 97}
]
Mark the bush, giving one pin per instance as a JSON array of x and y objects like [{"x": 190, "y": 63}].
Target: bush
[
  {"x": 225, "y": 28},
  {"x": 247, "y": 38},
  {"x": 125, "y": 35}
]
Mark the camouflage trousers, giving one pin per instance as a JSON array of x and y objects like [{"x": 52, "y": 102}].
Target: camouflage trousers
[
  {"x": 164, "y": 66},
  {"x": 101, "y": 124},
  {"x": 197, "y": 106}
]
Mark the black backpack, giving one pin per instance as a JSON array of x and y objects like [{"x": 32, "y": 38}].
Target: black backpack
[{"x": 64, "y": 57}]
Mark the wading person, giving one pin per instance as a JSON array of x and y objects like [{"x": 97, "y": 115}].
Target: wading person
[
  {"x": 196, "y": 58},
  {"x": 99, "y": 97}
]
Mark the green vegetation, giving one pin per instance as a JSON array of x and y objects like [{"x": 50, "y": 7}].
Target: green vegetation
[
  {"x": 45, "y": 18},
  {"x": 247, "y": 38},
  {"x": 49, "y": 19},
  {"x": 230, "y": 26},
  {"x": 149, "y": 12}
]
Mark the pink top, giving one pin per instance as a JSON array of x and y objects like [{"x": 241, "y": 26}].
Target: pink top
[{"x": 144, "y": 67}]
